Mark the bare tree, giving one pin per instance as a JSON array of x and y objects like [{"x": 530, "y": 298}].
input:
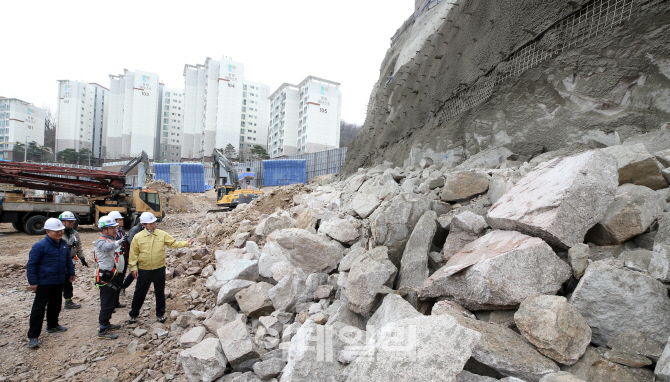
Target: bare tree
[{"x": 49, "y": 129}]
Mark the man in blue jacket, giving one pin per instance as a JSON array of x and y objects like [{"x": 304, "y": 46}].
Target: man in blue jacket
[{"x": 49, "y": 265}]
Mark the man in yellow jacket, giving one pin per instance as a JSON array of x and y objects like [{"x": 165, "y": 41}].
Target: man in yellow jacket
[{"x": 147, "y": 264}]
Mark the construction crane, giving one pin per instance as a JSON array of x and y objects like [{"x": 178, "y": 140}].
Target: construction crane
[
  {"x": 96, "y": 193},
  {"x": 228, "y": 192}
]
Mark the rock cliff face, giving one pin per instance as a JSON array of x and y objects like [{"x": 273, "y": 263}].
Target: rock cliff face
[{"x": 532, "y": 76}]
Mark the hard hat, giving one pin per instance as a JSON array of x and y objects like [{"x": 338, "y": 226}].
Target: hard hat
[
  {"x": 147, "y": 217},
  {"x": 115, "y": 215},
  {"x": 67, "y": 215},
  {"x": 106, "y": 221},
  {"x": 53, "y": 224}
]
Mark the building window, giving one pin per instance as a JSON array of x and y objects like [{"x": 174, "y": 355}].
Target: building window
[
  {"x": 244, "y": 87},
  {"x": 167, "y": 100},
  {"x": 166, "y": 114},
  {"x": 243, "y": 123},
  {"x": 165, "y": 134},
  {"x": 166, "y": 107},
  {"x": 241, "y": 131},
  {"x": 167, "y": 94},
  {"x": 244, "y": 116}
]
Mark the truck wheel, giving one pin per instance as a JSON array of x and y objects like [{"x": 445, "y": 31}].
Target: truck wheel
[
  {"x": 35, "y": 225},
  {"x": 18, "y": 226}
]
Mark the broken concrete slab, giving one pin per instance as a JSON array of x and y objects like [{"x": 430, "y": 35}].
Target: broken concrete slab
[
  {"x": 612, "y": 298},
  {"x": 546, "y": 201},
  {"x": 555, "y": 327},
  {"x": 498, "y": 271},
  {"x": 633, "y": 210}
]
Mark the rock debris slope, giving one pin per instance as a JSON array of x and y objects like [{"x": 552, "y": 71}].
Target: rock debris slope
[{"x": 428, "y": 288}]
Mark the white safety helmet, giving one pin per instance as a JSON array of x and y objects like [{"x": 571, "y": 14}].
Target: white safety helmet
[
  {"x": 53, "y": 224},
  {"x": 115, "y": 215},
  {"x": 67, "y": 215},
  {"x": 106, "y": 221},
  {"x": 147, "y": 217}
]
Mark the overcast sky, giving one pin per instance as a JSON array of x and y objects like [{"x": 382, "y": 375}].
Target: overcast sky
[{"x": 277, "y": 41}]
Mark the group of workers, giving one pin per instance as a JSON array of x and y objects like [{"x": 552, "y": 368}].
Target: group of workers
[{"x": 51, "y": 270}]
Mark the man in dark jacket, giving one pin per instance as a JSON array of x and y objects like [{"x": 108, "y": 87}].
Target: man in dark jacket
[{"x": 49, "y": 265}]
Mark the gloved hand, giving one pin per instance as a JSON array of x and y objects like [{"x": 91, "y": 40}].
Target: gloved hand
[{"x": 83, "y": 262}]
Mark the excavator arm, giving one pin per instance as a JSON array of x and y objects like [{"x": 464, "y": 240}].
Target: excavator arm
[
  {"x": 220, "y": 161},
  {"x": 141, "y": 158}
]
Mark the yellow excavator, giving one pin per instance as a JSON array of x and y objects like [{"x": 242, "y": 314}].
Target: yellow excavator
[{"x": 228, "y": 192}]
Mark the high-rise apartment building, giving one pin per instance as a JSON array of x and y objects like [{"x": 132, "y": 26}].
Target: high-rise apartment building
[
  {"x": 222, "y": 108},
  {"x": 304, "y": 118},
  {"x": 20, "y": 122},
  {"x": 81, "y": 120},
  {"x": 171, "y": 135},
  {"x": 135, "y": 103}
]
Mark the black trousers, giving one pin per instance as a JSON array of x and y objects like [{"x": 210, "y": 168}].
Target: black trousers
[
  {"x": 47, "y": 297},
  {"x": 68, "y": 289},
  {"x": 129, "y": 280},
  {"x": 108, "y": 299},
  {"x": 144, "y": 280}
]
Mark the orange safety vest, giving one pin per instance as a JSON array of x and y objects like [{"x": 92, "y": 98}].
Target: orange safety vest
[{"x": 97, "y": 268}]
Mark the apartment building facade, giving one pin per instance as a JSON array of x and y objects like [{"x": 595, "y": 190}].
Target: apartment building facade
[
  {"x": 81, "y": 119},
  {"x": 20, "y": 122},
  {"x": 305, "y": 118},
  {"x": 135, "y": 109},
  {"x": 171, "y": 135},
  {"x": 222, "y": 107}
]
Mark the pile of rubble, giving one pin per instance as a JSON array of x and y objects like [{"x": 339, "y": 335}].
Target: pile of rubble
[{"x": 424, "y": 273}]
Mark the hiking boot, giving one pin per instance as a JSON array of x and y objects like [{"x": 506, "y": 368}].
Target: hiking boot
[
  {"x": 33, "y": 343},
  {"x": 71, "y": 305},
  {"x": 113, "y": 327},
  {"x": 120, "y": 305},
  {"x": 57, "y": 329},
  {"x": 132, "y": 320},
  {"x": 122, "y": 292},
  {"x": 161, "y": 319},
  {"x": 106, "y": 334}
]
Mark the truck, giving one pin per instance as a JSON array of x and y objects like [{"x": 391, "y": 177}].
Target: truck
[
  {"x": 228, "y": 191},
  {"x": 91, "y": 194}
]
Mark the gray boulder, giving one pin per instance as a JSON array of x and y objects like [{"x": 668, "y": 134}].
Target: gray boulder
[
  {"x": 273, "y": 223},
  {"x": 578, "y": 257},
  {"x": 612, "y": 298},
  {"x": 636, "y": 259},
  {"x": 464, "y": 185},
  {"x": 414, "y": 262},
  {"x": 368, "y": 274},
  {"x": 393, "y": 308},
  {"x": 255, "y": 301},
  {"x": 466, "y": 376},
  {"x": 339, "y": 313},
  {"x": 637, "y": 166},
  {"x": 356, "y": 252},
  {"x": 662, "y": 370},
  {"x": 487, "y": 159},
  {"x": 238, "y": 346},
  {"x": 231, "y": 268},
  {"x": 659, "y": 265},
  {"x": 433, "y": 348},
  {"x": 289, "y": 291},
  {"x": 561, "y": 376},
  {"x": 346, "y": 231},
  {"x": 309, "y": 362},
  {"x": 555, "y": 327},
  {"x": 222, "y": 315},
  {"x": 204, "y": 361},
  {"x": 498, "y": 187},
  {"x": 228, "y": 290},
  {"x": 365, "y": 204},
  {"x": 192, "y": 337},
  {"x": 381, "y": 187},
  {"x": 593, "y": 367},
  {"x": 308, "y": 251},
  {"x": 505, "y": 351},
  {"x": 635, "y": 342},
  {"x": 269, "y": 369},
  {"x": 633, "y": 210},
  {"x": 465, "y": 228},
  {"x": 498, "y": 271},
  {"x": 393, "y": 223},
  {"x": 545, "y": 202},
  {"x": 353, "y": 183}
]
